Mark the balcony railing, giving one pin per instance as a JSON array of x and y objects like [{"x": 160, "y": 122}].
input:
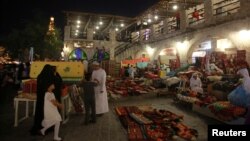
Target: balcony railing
[
  {"x": 172, "y": 25},
  {"x": 219, "y": 9},
  {"x": 226, "y": 7}
]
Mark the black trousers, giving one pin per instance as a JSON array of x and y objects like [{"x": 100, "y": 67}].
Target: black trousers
[{"x": 90, "y": 110}]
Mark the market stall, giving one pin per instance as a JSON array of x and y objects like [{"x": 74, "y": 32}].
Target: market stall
[
  {"x": 117, "y": 87},
  {"x": 148, "y": 123},
  {"x": 71, "y": 72}
]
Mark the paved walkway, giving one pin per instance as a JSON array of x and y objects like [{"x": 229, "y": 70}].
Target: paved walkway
[{"x": 107, "y": 128}]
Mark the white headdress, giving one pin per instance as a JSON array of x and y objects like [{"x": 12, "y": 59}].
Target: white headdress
[{"x": 96, "y": 63}]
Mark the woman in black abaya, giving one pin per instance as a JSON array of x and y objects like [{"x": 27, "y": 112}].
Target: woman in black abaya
[
  {"x": 45, "y": 77},
  {"x": 58, "y": 84}
]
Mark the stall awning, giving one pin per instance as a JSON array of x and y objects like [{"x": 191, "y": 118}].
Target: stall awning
[{"x": 134, "y": 61}]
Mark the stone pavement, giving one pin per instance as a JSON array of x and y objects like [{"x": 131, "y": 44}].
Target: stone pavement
[{"x": 107, "y": 128}]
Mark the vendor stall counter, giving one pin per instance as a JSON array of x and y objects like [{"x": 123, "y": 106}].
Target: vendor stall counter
[
  {"x": 206, "y": 112},
  {"x": 17, "y": 101}
]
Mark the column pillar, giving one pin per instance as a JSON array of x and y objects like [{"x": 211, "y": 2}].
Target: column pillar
[
  {"x": 90, "y": 34},
  {"x": 66, "y": 33},
  {"x": 183, "y": 20},
  {"x": 244, "y": 8},
  {"x": 208, "y": 11},
  {"x": 112, "y": 40},
  {"x": 165, "y": 26},
  {"x": 112, "y": 35}
]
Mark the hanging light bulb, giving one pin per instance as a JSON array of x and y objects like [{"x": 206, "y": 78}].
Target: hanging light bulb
[
  {"x": 156, "y": 17},
  {"x": 175, "y": 7}
]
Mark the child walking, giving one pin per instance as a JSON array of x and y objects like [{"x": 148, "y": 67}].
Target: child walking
[
  {"x": 89, "y": 99},
  {"x": 51, "y": 114}
]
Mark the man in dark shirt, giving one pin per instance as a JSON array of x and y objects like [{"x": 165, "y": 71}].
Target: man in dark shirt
[{"x": 89, "y": 98}]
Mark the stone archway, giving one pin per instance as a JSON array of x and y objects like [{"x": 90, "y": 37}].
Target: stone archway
[{"x": 158, "y": 51}]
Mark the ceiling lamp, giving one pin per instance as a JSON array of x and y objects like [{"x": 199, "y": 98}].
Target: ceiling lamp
[
  {"x": 78, "y": 22},
  {"x": 145, "y": 23},
  {"x": 116, "y": 29},
  {"x": 175, "y": 7},
  {"x": 94, "y": 32},
  {"x": 97, "y": 27},
  {"x": 100, "y": 23},
  {"x": 156, "y": 17},
  {"x": 149, "y": 20},
  {"x": 76, "y": 34},
  {"x": 77, "y": 31},
  {"x": 78, "y": 26},
  {"x": 122, "y": 24}
]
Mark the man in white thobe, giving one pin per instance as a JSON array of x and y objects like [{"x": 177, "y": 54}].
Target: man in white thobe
[
  {"x": 101, "y": 98},
  {"x": 196, "y": 84}
]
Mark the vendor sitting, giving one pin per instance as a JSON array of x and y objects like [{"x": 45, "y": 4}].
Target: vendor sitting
[
  {"x": 196, "y": 84},
  {"x": 214, "y": 70},
  {"x": 241, "y": 95}
]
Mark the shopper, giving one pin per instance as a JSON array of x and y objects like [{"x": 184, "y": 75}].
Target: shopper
[
  {"x": 89, "y": 99},
  {"x": 58, "y": 84},
  {"x": 241, "y": 95},
  {"x": 51, "y": 115},
  {"x": 45, "y": 77},
  {"x": 101, "y": 97}
]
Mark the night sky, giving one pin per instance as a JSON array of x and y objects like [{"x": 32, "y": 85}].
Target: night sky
[{"x": 14, "y": 13}]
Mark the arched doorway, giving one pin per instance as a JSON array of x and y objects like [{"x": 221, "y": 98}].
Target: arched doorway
[{"x": 168, "y": 58}]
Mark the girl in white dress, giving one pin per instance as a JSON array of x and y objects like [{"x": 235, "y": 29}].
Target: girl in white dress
[{"x": 51, "y": 114}]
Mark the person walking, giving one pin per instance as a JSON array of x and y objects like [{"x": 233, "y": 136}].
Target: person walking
[
  {"x": 46, "y": 76},
  {"x": 101, "y": 97},
  {"x": 89, "y": 99},
  {"x": 51, "y": 115}
]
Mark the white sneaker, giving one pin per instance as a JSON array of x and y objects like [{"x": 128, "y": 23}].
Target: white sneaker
[{"x": 57, "y": 139}]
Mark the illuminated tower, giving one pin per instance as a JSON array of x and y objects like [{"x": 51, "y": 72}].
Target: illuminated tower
[{"x": 51, "y": 26}]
